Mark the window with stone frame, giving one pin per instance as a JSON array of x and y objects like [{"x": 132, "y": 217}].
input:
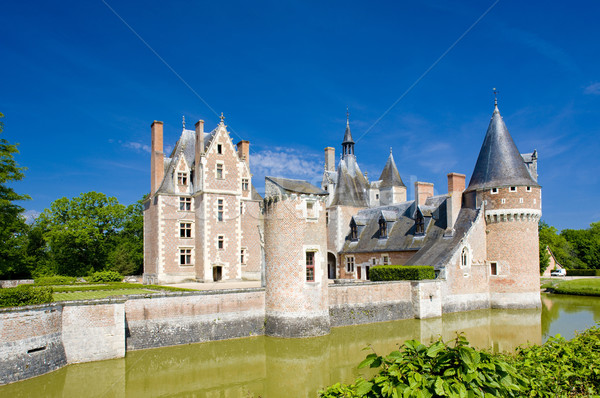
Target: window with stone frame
[
  {"x": 386, "y": 260},
  {"x": 220, "y": 242},
  {"x": 493, "y": 268},
  {"x": 350, "y": 264},
  {"x": 310, "y": 210},
  {"x": 185, "y": 229},
  {"x": 220, "y": 209},
  {"x": 185, "y": 256},
  {"x": 182, "y": 178},
  {"x": 464, "y": 257},
  {"x": 243, "y": 256},
  {"x": 245, "y": 184},
  {"x": 219, "y": 171},
  {"x": 219, "y": 149},
  {"x": 383, "y": 232},
  {"x": 310, "y": 266},
  {"x": 185, "y": 203}
]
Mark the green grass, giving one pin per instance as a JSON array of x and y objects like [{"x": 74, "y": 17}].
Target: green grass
[
  {"x": 89, "y": 295},
  {"x": 582, "y": 287}
]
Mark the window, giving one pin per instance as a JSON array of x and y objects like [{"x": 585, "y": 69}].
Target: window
[
  {"x": 534, "y": 200},
  {"x": 374, "y": 261},
  {"x": 220, "y": 242},
  {"x": 185, "y": 256},
  {"x": 520, "y": 200},
  {"x": 350, "y": 264},
  {"x": 503, "y": 201},
  {"x": 310, "y": 209},
  {"x": 185, "y": 229},
  {"x": 419, "y": 225},
  {"x": 219, "y": 149},
  {"x": 353, "y": 231},
  {"x": 245, "y": 184},
  {"x": 219, "y": 171},
  {"x": 376, "y": 196},
  {"x": 382, "y": 228},
  {"x": 185, "y": 204},
  {"x": 494, "y": 190},
  {"x": 181, "y": 178},
  {"x": 528, "y": 189},
  {"x": 243, "y": 256},
  {"x": 220, "y": 207},
  {"x": 310, "y": 266},
  {"x": 494, "y": 268},
  {"x": 241, "y": 207},
  {"x": 386, "y": 260},
  {"x": 326, "y": 218},
  {"x": 464, "y": 257},
  {"x": 513, "y": 189}
]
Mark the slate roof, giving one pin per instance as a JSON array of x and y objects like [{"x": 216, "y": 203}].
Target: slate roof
[
  {"x": 351, "y": 186},
  {"x": 347, "y": 134},
  {"x": 499, "y": 163},
  {"x": 390, "y": 177},
  {"x": 400, "y": 229},
  {"x": 296, "y": 186}
]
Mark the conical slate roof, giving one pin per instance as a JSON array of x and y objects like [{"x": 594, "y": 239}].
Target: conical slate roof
[
  {"x": 348, "y": 135},
  {"x": 390, "y": 177},
  {"x": 351, "y": 187},
  {"x": 499, "y": 163}
]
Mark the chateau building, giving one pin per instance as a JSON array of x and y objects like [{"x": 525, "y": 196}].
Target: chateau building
[{"x": 204, "y": 221}]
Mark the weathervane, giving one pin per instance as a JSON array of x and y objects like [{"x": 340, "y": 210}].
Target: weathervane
[
  {"x": 183, "y": 122},
  {"x": 347, "y": 116},
  {"x": 222, "y": 117},
  {"x": 496, "y": 96}
]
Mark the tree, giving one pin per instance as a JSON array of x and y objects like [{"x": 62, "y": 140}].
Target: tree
[
  {"x": 561, "y": 248},
  {"x": 13, "y": 230},
  {"x": 585, "y": 244},
  {"x": 82, "y": 232},
  {"x": 127, "y": 257}
]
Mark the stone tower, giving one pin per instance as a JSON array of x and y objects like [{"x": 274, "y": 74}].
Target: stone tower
[
  {"x": 511, "y": 200},
  {"x": 296, "y": 292}
]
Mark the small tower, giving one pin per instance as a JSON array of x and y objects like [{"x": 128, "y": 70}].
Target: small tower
[
  {"x": 348, "y": 143},
  {"x": 392, "y": 189},
  {"x": 296, "y": 302},
  {"x": 503, "y": 188}
]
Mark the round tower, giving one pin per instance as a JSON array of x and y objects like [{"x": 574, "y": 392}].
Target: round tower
[
  {"x": 502, "y": 186},
  {"x": 296, "y": 302}
]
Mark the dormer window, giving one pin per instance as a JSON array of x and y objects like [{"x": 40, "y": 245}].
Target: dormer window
[
  {"x": 353, "y": 231},
  {"x": 528, "y": 189},
  {"x": 494, "y": 190},
  {"x": 181, "y": 178},
  {"x": 245, "y": 184},
  {"x": 419, "y": 225},
  {"x": 513, "y": 189},
  {"x": 382, "y": 228}
]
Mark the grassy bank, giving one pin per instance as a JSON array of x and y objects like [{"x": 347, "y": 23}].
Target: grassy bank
[{"x": 581, "y": 287}]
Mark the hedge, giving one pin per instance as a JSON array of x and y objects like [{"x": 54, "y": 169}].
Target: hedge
[
  {"x": 105, "y": 276},
  {"x": 55, "y": 280},
  {"x": 583, "y": 272},
  {"x": 401, "y": 272},
  {"x": 25, "y": 295}
]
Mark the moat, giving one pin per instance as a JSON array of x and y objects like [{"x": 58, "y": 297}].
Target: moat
[{"x": 272, "y": 367}]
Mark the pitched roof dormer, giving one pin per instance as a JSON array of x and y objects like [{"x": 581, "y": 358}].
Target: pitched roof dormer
[
  {"x": 499, "y": 163},
  {"x": 390, "y": 177}
]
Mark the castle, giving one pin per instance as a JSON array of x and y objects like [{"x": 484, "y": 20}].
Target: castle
[{"x": 205, "y": 221}]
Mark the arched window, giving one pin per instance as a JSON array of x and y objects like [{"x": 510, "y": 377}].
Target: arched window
[{"x": 464, "y": 258}]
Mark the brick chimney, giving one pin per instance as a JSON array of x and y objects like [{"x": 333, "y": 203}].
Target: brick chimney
[
  {"x": 456, "y": 187},
  {"x": 243, "y": 148},
  {"x": 423, "y": 190},
  {"x": 157, "y": 157},
  {"x": 199, "y": 151},
  {"x": 330, "y": 159}
]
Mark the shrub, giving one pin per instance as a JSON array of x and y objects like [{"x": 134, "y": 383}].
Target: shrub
[
  {"x": 105, "y": 276},
  {"x": 55, "y": 280},
  {"x": 25, "y": 295},
  {"x": 583, "y": 272},
  {"x": 401, "y": 272}
]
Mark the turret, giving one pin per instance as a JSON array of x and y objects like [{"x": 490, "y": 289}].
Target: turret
[{"x": 392, "y": 189}]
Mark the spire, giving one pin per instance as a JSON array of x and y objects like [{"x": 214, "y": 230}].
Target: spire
[
  {"x": 390, "y": 177},
  {"x": 348, "y": 143},
  {"x": 183, "y": 122},
  {"x": 499, "y": 162},
  {"x": 222, "y": 118}
]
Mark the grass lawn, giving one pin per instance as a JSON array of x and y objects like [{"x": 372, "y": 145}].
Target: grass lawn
[
  {"x": 582, "y": 287},
  {"x": 98, "y": 294}
]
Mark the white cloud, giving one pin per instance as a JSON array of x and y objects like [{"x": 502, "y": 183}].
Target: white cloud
[
  {"x": 31, "y": 215},
  {"x": 136, "y": 146},
  {"x": 593, "y": 88},
  {"x": 287, "y": 163}
]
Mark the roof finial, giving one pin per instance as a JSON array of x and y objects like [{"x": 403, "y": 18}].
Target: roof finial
[
  {"x": 183, "y": 122},
  {"x": 496, "y": 97},
  {"x": 222, "y": 118},
  {"x": 390, "y": 150},
  {"x": 347, "y": 117}
]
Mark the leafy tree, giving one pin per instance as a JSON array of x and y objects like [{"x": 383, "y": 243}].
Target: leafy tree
[
  {"x": 127, "y": 257},
  {"x": 13, "y": 230},
  {"x": 561, "y": 248},
  {"x": 82, "y": 232},
  {"x": 585, "y": 244}
]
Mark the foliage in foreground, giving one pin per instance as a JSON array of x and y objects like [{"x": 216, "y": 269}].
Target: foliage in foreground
[
  {"x": 558, "y": 368},
  {"x": 401, "y": 272},
  {"x": 25, "y": 295}
]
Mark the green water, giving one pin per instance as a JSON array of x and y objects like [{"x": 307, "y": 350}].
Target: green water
[{"x": 270, "y": 367}]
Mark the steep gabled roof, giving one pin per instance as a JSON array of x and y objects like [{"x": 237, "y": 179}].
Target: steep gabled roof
[
  {"x": 390, "y": 177},
  {"x": 351, "y": 187},
  {"x": 499, "y": 162},
  {"x": 295, "y": 186}
]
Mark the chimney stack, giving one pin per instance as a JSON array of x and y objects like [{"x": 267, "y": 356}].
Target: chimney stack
[
  {"x": 456, "y": 187},
  {"x": 423, "y": 190},
  {"x": 330, "y": 159},
  {"x": 157, "y": 157},
  {"x": 243, "y": 148}
]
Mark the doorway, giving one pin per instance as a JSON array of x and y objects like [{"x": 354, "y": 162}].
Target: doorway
[
  {"x": 217, "y": 273},
  {"x": 331, "y": 266}
]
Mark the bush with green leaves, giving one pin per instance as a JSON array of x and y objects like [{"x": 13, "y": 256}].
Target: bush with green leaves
[
  {"x": 583, "y": 272},
  {"x": 105, "y": 276},
  {"x": 401, "y": 272},
  {"x": 25, "y": 295},
  {"x": 437, "y": 370},
  {"x": 55, "y": 280}
]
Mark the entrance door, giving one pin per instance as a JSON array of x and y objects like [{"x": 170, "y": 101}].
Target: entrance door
[
  {"x": 331, "y": 268},
  {"x": 217, "y": 273},
  {"x": 359, "y": 269}
]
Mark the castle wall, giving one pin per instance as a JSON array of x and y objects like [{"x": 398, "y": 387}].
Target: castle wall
[
  {"x": 252, "y": 225},
  {"x": 364, "y": 260}
]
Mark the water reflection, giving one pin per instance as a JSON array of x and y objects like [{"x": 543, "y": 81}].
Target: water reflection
[{"x": 271, "y": 367}]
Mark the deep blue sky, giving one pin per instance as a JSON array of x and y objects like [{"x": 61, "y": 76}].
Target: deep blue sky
[{"x": 79, "y": 89}]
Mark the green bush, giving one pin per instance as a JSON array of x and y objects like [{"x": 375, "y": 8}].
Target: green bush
[
  {"x": 401, "y": 272},
  {"x": 55, "y": 280},
  {"x": 105, "y": 276},
  {"x": 583, "y": 272},
  {"x": 25, "y": 295}
]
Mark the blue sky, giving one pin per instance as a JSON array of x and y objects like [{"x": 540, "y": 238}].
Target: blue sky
[{"x": 83, "y": 81}]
